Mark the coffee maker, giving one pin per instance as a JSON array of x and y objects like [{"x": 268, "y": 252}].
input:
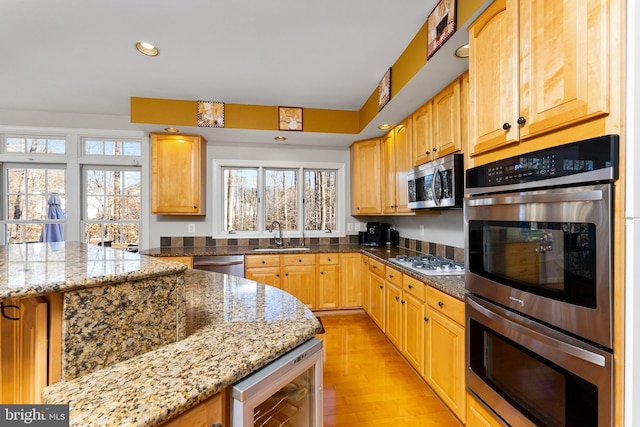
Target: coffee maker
[{"x": 379, "y": 234}]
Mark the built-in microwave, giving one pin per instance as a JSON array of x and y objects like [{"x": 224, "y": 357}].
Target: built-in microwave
[{"x": 437, "y": 184}]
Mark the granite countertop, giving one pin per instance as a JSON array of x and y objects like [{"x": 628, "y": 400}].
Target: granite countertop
[
  {"x": 452, "y": 285},
  {"x": 33, "y": 269},
  {"x": 234, "y": 327}
]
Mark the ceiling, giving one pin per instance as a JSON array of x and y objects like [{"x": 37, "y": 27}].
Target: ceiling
[{"x": 78, "y": 56}]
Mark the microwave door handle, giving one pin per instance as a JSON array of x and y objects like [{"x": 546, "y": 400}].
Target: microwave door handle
[
  {"x": 579, "y": 196},
  {"x": 437, "y": 198}
]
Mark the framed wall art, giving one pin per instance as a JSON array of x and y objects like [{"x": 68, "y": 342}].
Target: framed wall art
[
  {"x": 211, "y": 114},
  {"x": 290, "y": 118},
  {"x": 384, "y": 90},
  {"x": 441, "y": 24}
]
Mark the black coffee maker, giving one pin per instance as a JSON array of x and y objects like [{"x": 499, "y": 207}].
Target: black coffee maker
[{"x": 375, "y": 234}]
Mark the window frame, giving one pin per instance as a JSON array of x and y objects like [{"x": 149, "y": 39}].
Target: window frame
[{"x": 217, "y": 178}]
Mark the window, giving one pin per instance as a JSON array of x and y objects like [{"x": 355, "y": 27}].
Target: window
[
  {"x": 29, "y": 191},
  {"x": 304, "y": 200},
  {"x": 58, "y": 185},
  {"x": 112, "y": 206}
]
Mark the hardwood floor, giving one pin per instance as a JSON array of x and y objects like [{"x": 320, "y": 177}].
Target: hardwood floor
[{"x": 368, "y": 383}]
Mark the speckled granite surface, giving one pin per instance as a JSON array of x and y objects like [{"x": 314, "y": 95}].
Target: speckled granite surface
[
  {"x": 111, "y": 323},
  {"x": 42, "y": 268},
  {"x": 452, "y": 285},
  {"x": 234, "y": 326}
]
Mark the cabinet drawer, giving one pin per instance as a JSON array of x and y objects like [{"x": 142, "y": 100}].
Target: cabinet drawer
[
  {"x": 393, "y": 276},
  {"x": 262, "y": 261},
  {"x": 446, "y": 304},
  {"x": 328, "y": 259},
  {"x": 413, "y": 287},
  {"x": 377, "y": 267},
  {"x": 299, "y": 259}
]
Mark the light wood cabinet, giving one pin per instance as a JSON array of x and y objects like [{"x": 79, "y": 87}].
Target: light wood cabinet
[
  {"x": 413, "y": 314},
  {"x": 24, "y": 351},
  {"x": 178, "y": 174},
  {"x": 393, "y": 314},
  {"x": 536, "y": 67},
  {"x": 211, "y": 411},
  {"x": 351, "y": 280},
  {"x": 478, "y": 415},
  {"x": 299, "y": 277},
  {"x": 328, "y": 281},
  {"x": 188, "y": 260},
  {"x": 366, "y": 198},
  {"x": 444, "y": 363},
  {"x": 377, "y": 292},
  {"x": 366, "y": 284},
  {"x": 397, "y": 159},
  {"x": 437, "y": 125},
  {"x": 264, "y": 269}
]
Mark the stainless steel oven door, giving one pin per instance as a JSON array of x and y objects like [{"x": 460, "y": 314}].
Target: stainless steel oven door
[
  {"x": 532, "y": 375},
  {"x": 547, "y": 254}
]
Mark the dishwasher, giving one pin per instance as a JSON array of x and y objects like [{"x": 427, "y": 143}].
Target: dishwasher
[
  {"x": 227, "y": 264},
  {"x": 286, "y": 392}
]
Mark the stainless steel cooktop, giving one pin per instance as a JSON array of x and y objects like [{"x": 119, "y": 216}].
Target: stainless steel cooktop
[{"x": 429, "y": 265}]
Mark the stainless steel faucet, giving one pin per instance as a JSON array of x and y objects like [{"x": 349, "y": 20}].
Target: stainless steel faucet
[{"x": 278, "y": 238}]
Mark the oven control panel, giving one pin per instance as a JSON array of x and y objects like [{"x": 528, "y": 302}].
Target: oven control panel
[{"x": 575, "y": 160}]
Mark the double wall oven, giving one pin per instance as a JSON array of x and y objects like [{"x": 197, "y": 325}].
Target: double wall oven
[{"x": 539, "y": 280}]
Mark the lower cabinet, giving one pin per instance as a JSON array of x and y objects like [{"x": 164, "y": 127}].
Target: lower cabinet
[
  {"x": 413, "y": 314},
  {"x": 444, "y": 362},
  {"x": 206, "y": 414},
  {"x": 376, "y": 284},
  {"x": 264, "y": 269},
  {"x": 351, "y": 283},
  {"x": 393, "y": 314},
  {"x": 366, "y": 286},
  {"x": 478, "y": 415},
  {"x": 299, "y": 277},
  {"x": 328, "y": 281}
]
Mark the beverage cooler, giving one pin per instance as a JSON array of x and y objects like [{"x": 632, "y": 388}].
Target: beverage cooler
[{"x": 287, "y": 392}]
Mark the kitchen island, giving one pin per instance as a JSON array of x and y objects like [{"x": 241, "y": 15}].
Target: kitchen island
[{"x": 224, "y": 328}]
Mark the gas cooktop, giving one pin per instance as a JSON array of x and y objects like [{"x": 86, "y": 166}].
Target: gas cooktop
[{"x": 429, "y": 265}]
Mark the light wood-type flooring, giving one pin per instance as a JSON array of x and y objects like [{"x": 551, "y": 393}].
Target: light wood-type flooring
[{"x": 368, "y": 383}]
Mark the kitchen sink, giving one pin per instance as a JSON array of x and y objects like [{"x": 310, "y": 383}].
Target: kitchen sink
[{"x": 281, "y": 249}]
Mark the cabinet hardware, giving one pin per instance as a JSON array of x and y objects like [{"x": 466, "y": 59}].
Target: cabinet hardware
[
  {"x": 322, "y": 272},
  {"x": 263, "y": 261},
  {"x": 440, "y": 304},
  {"x": 402, "y": 302},
  {"x": 410, "y": 286},
  {"x": 5, "y": 315},
  {"x": 426, "y": 319},
  {"x": 435, "y": 149},
  {"x": 521, "y": 120},
  {"x": 299, "y": 260},
  {"x": 381, "y": 286},
  {"x": 397, "y": 298},
  {"x": 391, "y": 276},
  {"x": 506, "y": 126}
]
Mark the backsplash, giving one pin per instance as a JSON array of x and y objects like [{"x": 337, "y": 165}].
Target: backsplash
[{"x": 450, "y": 252}]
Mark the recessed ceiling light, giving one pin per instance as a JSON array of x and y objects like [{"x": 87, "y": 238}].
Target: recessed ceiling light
[
  {"x": 462, "y": 51},
  {"x": 385, "y": 126},
  {"x": 280, "y": 138},
  {"x": 174, "y": 130},
  {"x": 147, "y": 48}
]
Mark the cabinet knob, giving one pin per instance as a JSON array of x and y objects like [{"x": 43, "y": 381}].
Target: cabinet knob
[
  {"x": 391, "y": 276},
  {"x": 426, "y": 319},
  {"x": 440, "y": 304},
  {"x": 402, "y": 302},
  {"x": 381, "y": 287},
  {"x": 322, "y": 272},
  {"x": 397, "y": 298},
  {"x": 299, "y": 260},
  {"x": 329, "y": 260},
  {"x": 521, "y": 120},
  {"x": 277, "y": 275},
  {"x": 410, "y": 286},
  {"x": 435, "y": 149},
  {"x": 506, "y": 126},
  {"x": 263, "y": 261},
  {"x": 195, "y": 207},
  {"x": 286, "y": 274}
]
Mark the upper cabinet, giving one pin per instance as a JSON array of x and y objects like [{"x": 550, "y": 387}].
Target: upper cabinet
[
  {"x": 396, "y": 162},
  {"x": 438, "y": 125},
  {"x": 535, "y": 67},
  {"x": 178, "y": 174},
  {"x": 365, "y": 177}
]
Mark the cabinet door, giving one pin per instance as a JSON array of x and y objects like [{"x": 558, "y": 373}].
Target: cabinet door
[
  {"x": 351, "y": 282},
  {"x": 493, "y": 77},
  {"x": 267, "y": 275},
  {"x": 211, "y": 411},
  {"x": 178, "y": 174},
  {"x": 422, "y": 124},
  {"x": 393, "y": 314},
  {"x": 402, "y": 139},
  {"x": 445, "y": 371},
  {"x": 366, "y": 182},
  {"x": 328, "y": 287},
  {"x": 300, "y": 281},
  {"x": 446, "y": 120},
  {"x": 480, "y": 416},
  {"x": 413, "y": 331},
  {"x": 377, "y": 295},
  {"x": 563, "y": 57},
  {"x": 388, "y": 174},
  {"x": 23, "y": 351},
  {"x": 366, "y": 285}
]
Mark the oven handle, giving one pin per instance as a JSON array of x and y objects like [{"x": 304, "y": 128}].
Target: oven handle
[
  {"x": 578, "y": 196},
  {"x": 525, "y": 333}
]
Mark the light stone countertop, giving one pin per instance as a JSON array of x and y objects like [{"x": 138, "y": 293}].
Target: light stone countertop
[
  {"x": 234, "y": 327},
  {"x": 33, "y": 269}
]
